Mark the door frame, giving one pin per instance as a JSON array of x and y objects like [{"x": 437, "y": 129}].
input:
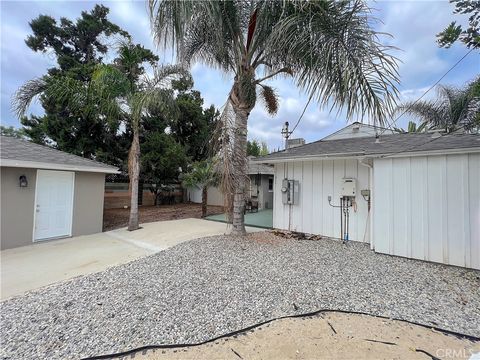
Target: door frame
[{"x": 39, "y": 171}]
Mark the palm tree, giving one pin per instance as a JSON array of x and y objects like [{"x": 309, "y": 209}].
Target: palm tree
[
  {"x": 454, "y": 108},
  {"x": 412, "y": 128},
  {"x": 328, "y": 47},
  {"x": 119, "y": 87},
  {"x": 202, "y": 175},
  {"x": 121, "y": 92}
]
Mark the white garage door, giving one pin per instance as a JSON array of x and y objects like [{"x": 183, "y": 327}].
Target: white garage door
[{"x": 53, "y": 204}]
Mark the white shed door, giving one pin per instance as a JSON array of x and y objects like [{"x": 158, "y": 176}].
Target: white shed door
[{"x": 53, "y": 204}]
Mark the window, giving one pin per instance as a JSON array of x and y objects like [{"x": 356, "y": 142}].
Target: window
[{"x": 270, "y": 184}]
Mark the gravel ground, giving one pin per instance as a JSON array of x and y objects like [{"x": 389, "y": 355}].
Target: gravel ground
[{"x": 207, "y": 287}]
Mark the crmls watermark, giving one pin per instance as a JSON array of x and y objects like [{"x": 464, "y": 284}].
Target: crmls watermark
[{"x": 456, "y": 354}]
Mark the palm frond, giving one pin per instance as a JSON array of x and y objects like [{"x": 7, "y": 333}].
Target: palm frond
[
  {"x": 26, "y": 94},
  {"x": 337, "y": 56},
  {"x": 428, "y": 112}
]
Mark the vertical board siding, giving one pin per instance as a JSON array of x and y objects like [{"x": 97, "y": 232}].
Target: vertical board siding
[
  {"x": 474, "y": 205},
  {"x": 428, "y": 208},
  {"x": 381, "y": 205},
  {"x": 317, "y": 181}
]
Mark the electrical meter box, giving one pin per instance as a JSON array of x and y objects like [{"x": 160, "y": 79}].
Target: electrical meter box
[
  {"x": 349, "y": 187},
  {"x": 290, "y": 192}
]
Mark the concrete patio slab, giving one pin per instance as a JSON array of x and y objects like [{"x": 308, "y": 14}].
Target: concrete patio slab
[
  {"x": 41, "y": 264},
  {"x": 262, "y": 218}
]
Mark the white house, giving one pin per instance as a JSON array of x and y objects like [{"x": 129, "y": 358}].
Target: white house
[{"x": 411, "y": 195}]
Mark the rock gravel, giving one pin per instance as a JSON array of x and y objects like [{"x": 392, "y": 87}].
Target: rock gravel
[{"x": 208, "y": 287}]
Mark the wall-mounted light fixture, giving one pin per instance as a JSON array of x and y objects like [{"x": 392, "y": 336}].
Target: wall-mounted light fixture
[{"x": 22, "y": 181}]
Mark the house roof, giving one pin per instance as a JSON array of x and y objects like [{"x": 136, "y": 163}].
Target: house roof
[
  {"x": 405, "y": 144},
  {"x": 357, "y": 129},
  {"x": 22, "y": 153}
]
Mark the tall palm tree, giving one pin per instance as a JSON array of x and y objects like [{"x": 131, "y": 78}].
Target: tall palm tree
[
  {"x": 118, "y": 88},
  {"x": 121, "y": 91},
  {"x": 328, "y": 47},
  {"x": 202, "y": 175},
  {"x": 454, "y": 108}
]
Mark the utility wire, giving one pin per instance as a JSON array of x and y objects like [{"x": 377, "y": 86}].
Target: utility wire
[
  {"x": 301, "y": 116},
  {"x": 425, "y": 93}
]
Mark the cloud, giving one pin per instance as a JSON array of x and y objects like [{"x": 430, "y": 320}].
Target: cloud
[{"x": 413, "y": 24}]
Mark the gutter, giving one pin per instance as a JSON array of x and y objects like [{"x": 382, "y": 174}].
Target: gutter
[{"x": 341, "y": 156}]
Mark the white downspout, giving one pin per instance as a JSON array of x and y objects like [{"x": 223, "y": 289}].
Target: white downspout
[{"x": 368, "y": 162}]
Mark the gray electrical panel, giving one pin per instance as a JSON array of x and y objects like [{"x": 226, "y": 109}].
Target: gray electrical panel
[{"x": 290, "y": 192}]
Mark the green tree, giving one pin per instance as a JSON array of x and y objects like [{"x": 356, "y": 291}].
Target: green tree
[
  {"x": 162, "y": 160},
  {"x": 328, "y": 47},
  {"x": 78, "y": 48},
  {"x": 454, "y": 108},
  {"x": 11, "y": 131},
  {"x": 120, "y": 92},
  {"x": 264, "y": 149},
  {"x": 453, "y": 32},
  {"x": 253, "y": 148},
  {"x": 194, "y": 127},
  {"x": 201, "y": 175}
]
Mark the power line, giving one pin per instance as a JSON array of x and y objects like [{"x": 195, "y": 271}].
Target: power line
[
  {"x": 426, "y": 92},
  {"x": 303, "y": 112}
]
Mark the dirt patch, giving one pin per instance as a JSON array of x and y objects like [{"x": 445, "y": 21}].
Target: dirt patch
[
  {"x": 329, "y": 335},
  {"x": 118, "y": 218},
  {"x": 266, "y": 237}
]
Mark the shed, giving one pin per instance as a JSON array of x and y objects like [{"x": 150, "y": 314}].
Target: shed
[
  {"x": 411, "y": 195},
  {"x": 48, "y": 194}
]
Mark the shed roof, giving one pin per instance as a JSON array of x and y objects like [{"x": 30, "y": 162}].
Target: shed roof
[
  {"x": 258, "y": 168},
  {"x": 387, "y": 145},
  {"x": 16, "y": 152}
]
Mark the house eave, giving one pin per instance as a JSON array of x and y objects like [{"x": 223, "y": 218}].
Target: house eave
[
  {"x": 363, "y": 155},
  {"x": 53, "y": 166}
]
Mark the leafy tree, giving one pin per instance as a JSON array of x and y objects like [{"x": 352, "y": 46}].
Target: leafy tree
[
  {"x": 453, "y": 32},
  {"x": 194, "y": 127},
  {"x": 78, "y": 47},
  {"x": 454, "y": 108},
  {"x": 11, "y": 131},
  {"x": 256, "y": 148},
  {"x": 74, "y": 44},
  {"x": 202, "y": 175},
  {"x": 328, "y": 47},
  {"x": 162, "y": 159},
  {"x": 264, "y": 149},
  {"x": 412, "y": 128},
  {"x": 253, "y": 148}
]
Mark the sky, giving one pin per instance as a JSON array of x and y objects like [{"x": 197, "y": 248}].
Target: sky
[{"x": 413, "y": 25}]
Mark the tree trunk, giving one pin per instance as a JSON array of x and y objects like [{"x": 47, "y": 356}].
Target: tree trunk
[
  {"x": 134, "y": 174},
  {"x": 239, "y": 170},
  {"x": 204, "y": 201}
]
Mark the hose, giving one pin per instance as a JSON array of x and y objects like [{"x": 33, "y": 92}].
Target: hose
[{"x": 236, "y": 332}]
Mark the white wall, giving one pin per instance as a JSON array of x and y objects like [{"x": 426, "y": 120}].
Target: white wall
[
  {"x": 214, "y": 196},
  {"x": 428, "y": 208},
  {"x": 319, "y": 179}
]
